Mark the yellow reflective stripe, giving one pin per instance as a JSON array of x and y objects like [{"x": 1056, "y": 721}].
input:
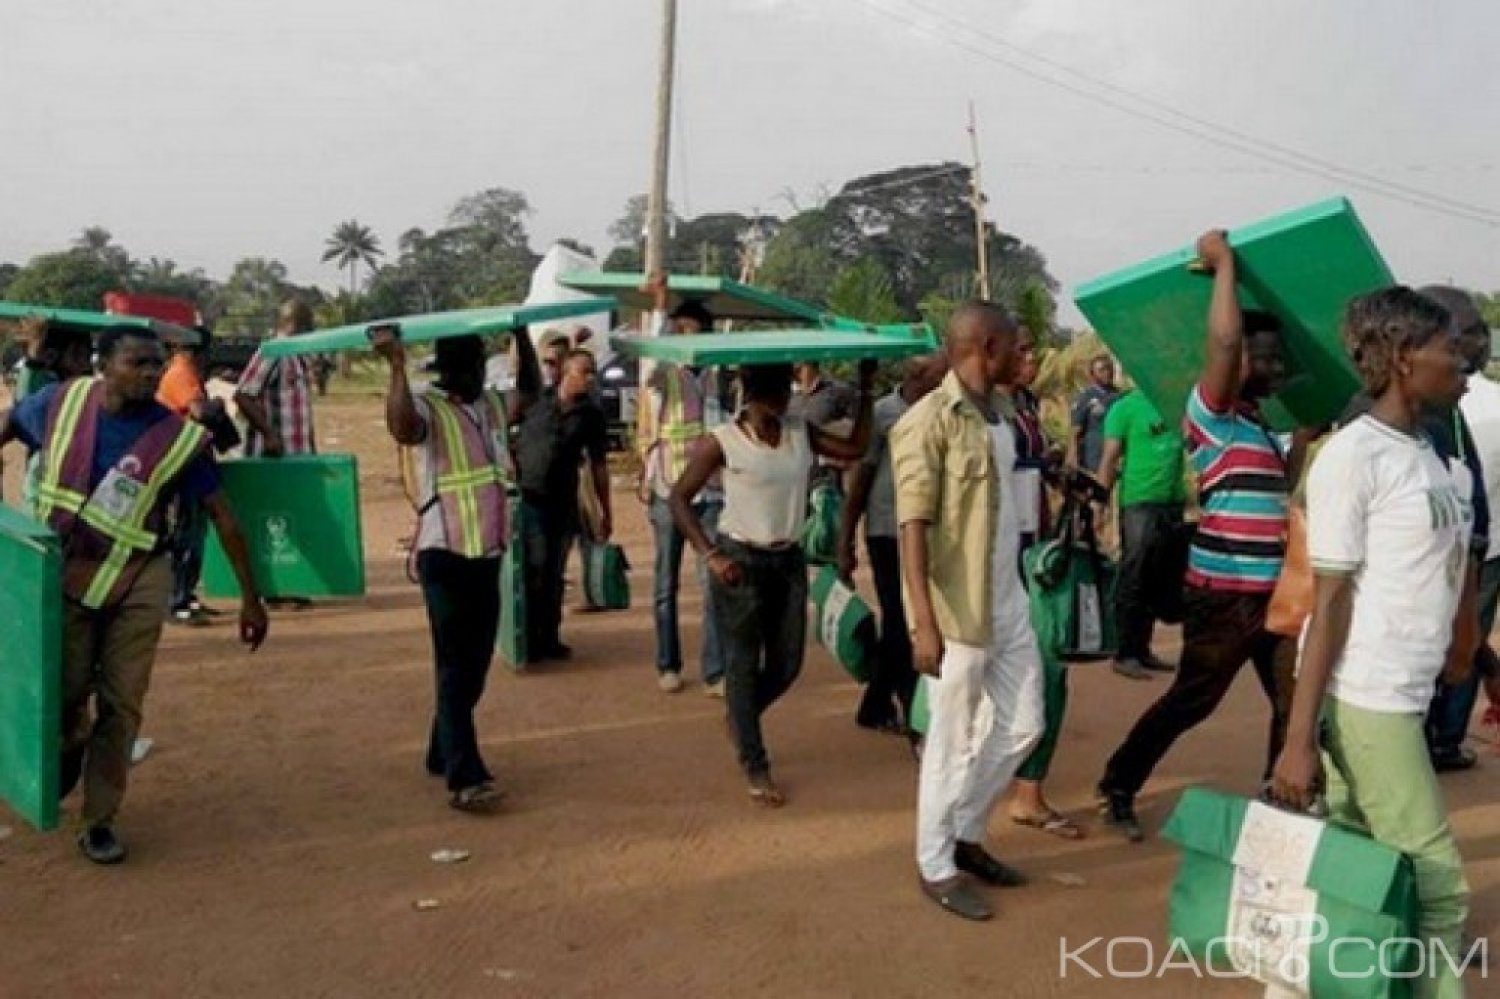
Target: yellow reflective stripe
[
  {"x": 458, "y": 459},
  {"x": 74, "y": 397},
  {"x": 109, "y": 573},
  {"x": 188, "y": 440},
  {"x": 117, "y": 530},
  {"x": 478, "y": 476},
  {"x": 128, "y": 536},
  {"x": 58, "y": 496}
]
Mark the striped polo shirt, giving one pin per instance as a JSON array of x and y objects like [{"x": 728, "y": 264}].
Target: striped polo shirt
[{"x": 1242, "y": 488}]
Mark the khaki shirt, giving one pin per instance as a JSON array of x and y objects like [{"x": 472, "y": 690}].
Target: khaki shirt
[{"x": 946, "y": 476}]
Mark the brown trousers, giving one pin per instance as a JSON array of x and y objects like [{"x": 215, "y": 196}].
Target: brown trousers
[{"x": 107, "y": 658}]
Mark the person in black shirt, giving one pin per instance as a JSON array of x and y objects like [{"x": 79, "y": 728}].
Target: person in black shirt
[{"x": 565, "y": 427}]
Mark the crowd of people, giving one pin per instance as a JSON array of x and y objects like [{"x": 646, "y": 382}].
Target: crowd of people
[{"x": 1367, "y": 636}]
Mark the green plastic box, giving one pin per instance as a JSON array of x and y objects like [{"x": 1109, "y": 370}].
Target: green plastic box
[
  {"x": 1303, "y": 266},
  {"x": 510, "y": 641},
  {"x": 1340, "y": 927},
  {"x": 300, "y": 515},
  {"x": 883, "y": 343},
  {"x": 842, "y": 623},
  {"x": 31, "y": 678}
]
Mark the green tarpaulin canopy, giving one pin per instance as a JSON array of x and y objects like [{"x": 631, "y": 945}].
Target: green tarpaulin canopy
[
  {"x": 723, "y": 298},
  {"x": 1303, "y": 266},
  {"x": 782, "y": 346},
  {"x": 435, "y": 326},
  {"x": 92, "y": 322}
]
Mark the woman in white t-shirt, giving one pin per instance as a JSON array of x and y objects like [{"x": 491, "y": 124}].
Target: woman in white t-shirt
[
  {"x": 757, "y": 574},
  {"x": 1388, "y": 537}
]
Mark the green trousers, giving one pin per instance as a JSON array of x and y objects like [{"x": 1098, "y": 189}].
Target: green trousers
[
  {"x": 1055, "y": 703},
  {"x": 1380, "y": 780}
]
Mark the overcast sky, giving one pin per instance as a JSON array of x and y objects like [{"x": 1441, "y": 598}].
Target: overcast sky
[{"x": 209, "y": 130}]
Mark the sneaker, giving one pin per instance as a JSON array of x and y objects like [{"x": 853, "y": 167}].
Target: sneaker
[
  {"x": 669, "y": 682},
  {"x": 100, "y": 845},
  {"x": 714, "y": 688},
  {"x": 1118, "y": 809},
  {"x": 188, "y": 617},
  {"x": 1131, "y": 669}
]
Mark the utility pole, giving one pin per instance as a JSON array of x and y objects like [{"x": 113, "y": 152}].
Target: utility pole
[
  {"x": 978, "y": 201},
  {"x": 656, "y": 206}
]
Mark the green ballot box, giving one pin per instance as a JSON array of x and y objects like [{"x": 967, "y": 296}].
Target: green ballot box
[
  {"x": 842, "y": 623},
  {"x": 1291, "y": 900},
  {"x": 510, "y": 641},
  {"x": 300, "y": 515},
  {"x": 31, "y": 677},
  {"x": 1302, "y": 266}
]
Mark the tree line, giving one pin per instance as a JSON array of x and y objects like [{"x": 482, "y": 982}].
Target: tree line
[{"x": 893, "y": 246}]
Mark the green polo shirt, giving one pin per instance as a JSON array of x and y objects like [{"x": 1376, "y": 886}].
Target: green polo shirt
[{"x": 1151, "y": 471}]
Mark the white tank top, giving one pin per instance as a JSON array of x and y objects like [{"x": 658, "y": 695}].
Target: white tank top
[{"x": 765, "y": 488}]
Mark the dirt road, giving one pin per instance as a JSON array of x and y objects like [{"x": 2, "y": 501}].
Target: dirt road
[{"x": 282, "y": 827}]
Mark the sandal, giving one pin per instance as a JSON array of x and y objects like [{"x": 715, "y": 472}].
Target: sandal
[
  {"x": 765, "y": 793},
  {"x": 1052, "y": 822}
]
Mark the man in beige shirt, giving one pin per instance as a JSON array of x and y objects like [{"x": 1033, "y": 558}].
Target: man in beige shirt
[{"x": 954, "y": 459}]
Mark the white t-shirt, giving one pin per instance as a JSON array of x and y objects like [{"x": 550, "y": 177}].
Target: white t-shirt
[
  {"x": 1481, "y": 408},
  {"x": 431, "y": 533},
  {"x": 1008, "y": 592},
  {"x": 1383, "y": 506},
  {"x": 765, "y": 488}
]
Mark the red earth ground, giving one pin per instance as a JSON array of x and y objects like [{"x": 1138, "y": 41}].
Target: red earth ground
[{"x": 281, "y": 830}]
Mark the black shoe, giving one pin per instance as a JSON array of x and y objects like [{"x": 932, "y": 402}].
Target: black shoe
[
  {"x": 557, "y": 650},
  {"x": 1131, "y": 669},
  {"x": 1452, "y": 759},
  {"x": 1118, "y": 809},
  {"x": 958, "y": 896},
  {"x": 971, "y": 858},
  {"x": 889, "y": 724},
  {"x": 1157, "y": 665},
  {"x": 100, "y": 845}
]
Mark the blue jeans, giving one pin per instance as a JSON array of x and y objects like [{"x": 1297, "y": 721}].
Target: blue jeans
[
  {"x": 668, "y": 580},
  {"x": 1452, "y": 707}
]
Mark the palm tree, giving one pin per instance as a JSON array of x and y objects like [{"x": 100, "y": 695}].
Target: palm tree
[{"x": 350, "y": 245}]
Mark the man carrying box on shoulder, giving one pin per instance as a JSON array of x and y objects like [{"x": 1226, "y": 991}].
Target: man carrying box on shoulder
[
  {"x": 1239, "y": 546},
  {"x": 113, "y": 460}
]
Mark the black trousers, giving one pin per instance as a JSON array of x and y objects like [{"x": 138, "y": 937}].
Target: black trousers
[
  {"x": 1145, "y": 530},
  {"x": 189, "y": 536},
  {"x": 762, "y": 627},
  {"x": 548, "y": 533},
  {"x": 893, "y": 681},
  {"x": 1220, "y": 633},
  {"x": 463, "y": 613}
]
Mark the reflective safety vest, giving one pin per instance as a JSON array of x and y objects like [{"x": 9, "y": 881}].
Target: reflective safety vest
[
  {"x": 112, "y": 528},
  {"x": 471, "y": 472},
  {"x": 680, "y": 423}
]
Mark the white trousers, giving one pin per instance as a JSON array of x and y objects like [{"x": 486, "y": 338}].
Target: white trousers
[{"x": 985, "y": 715}]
